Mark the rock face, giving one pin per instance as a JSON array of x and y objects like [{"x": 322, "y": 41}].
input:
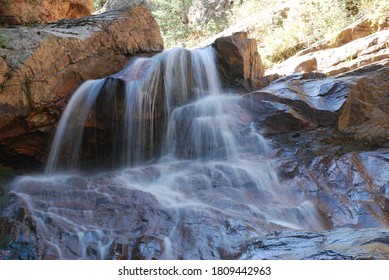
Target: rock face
[
  {"x": 347, "y": 179},
  {"x": 360, "y": 44},
  {"x": 42, "y": 66},
  {"x": 19, "y": 12},
  {"x": 239, "y": 59}
]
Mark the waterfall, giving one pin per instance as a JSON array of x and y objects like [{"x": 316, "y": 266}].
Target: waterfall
[{"x": 179, "y": 169}]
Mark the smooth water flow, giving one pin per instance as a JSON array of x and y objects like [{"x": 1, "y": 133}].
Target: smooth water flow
[{"x": 178, "y": 169}]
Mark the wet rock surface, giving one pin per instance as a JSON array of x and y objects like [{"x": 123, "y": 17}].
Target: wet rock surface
[
  {"x": 339, "y": 244},
  {"x": 346, "y": 179},
  {"x": 353, "y": 102}
]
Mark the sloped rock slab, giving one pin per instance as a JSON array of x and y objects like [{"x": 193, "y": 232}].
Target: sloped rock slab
[{"x": 339, "y": 244}]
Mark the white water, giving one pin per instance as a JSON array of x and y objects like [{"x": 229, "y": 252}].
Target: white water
[{"x": 210, "y": 184}]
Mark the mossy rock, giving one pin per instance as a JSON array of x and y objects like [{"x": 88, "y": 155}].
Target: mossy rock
[{"x": 5, "y": 173}]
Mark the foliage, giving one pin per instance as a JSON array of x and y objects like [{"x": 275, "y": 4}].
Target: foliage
[
  {"x": 2, "y": 40},
  {"x": 281, "y": 27},
  {"x": 287, "y": 28},
  {"x": 172, "y": 17},
  {"x": 98, "y": 4}
]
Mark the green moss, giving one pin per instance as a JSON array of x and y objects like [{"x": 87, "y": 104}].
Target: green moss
[
  {"x": 2, "y": 41},
  {"x": 6, "y": 174},
  {"x": 4, "y": 243}
]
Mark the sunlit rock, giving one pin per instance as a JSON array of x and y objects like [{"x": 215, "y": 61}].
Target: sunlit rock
[{"x": 19, "y": 12}]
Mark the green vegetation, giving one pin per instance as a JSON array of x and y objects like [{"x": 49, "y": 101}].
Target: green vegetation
[
  {"x": 6, "y": 174},
  {"x": 98, "y": 4},
  {"x": 292, "y": 28},
  {"x": 172, "y": 17},
  {"x": 281, "y": 28},
  {"x": 173, "y": 21},
  {"x": 2, "y": 40}
]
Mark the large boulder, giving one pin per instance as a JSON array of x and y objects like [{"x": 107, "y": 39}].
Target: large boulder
[
  {"x": 41, "y": 66},
  {"x": 365, "y": 113},
  {"x": 239, "y": 59},
  {"x": 19, "y": 12},
  {"x": 299, "y": 101}
]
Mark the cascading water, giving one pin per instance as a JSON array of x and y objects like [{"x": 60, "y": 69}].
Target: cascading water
[{"x": 187, "y": 175}]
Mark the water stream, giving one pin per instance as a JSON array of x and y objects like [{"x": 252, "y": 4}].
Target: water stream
[{"x": 158, "y": 162}]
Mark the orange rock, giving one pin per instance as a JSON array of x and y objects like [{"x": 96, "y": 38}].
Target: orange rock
[
  {"x": 18, "y": 12},
  {"x": 40, "y": 68},
  {"x": 365, "y": 112},
  {"x": 239, "y": 58}
]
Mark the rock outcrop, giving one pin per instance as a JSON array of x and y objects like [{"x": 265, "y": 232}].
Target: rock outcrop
[
  {"x": 42, "y": 66},
  {"x": 360, "y": 44},
  {"x": 355, "y": 102},
  {"x": 18, "y": 12},
  {"x": 239, "y": 60}
]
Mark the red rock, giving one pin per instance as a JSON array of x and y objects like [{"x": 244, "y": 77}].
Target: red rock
[
  {"x": 18, "y": 12},
  {"x": 239, "y": 59},
  {"x": 42, "y": 66}
]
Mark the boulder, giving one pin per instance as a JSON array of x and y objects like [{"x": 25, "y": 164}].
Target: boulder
[
  {"x": 18, "y": 12},
  {"x": 299, "y": 101},
  {"x": 239, "y": 59},
  {"x": 365, "y": 113},
  {"x": 41, "y": 67}
]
